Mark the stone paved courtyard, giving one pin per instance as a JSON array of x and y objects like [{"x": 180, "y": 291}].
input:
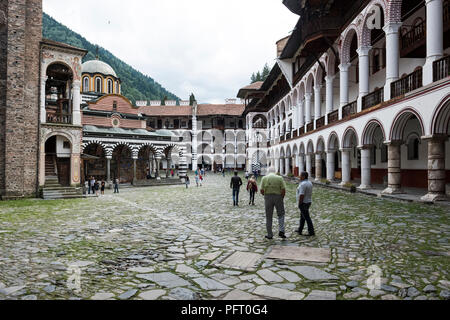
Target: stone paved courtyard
[{"x": 169, "y": 243}]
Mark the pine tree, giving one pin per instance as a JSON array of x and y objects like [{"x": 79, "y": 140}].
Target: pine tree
[
  {"x": 253, "y": 78},
  {"x": 265, "y": 72},
  {"x": 258, "y": 76}
]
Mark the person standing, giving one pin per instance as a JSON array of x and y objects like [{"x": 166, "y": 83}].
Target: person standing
[
  {"x": 235, "y": 184},
  {"x": 187, "y": 181},
  {"x": 252, "y": 187},
  {"x": 273, "y": 188},
  {"x": 92, "y": 184},
  {"x": 197, "y": 179},
  {"x": 304, "y": 200},
  {"x": 86, "y": 187},
  {"x": 116, "y": 185},
  {"x": 103, "y": 187}
]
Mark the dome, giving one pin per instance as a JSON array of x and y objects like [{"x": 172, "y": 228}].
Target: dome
[{"x": 97, "y": 66}]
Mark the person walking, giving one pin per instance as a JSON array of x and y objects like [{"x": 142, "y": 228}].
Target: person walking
[
  {"x": 92, "y": 184},
  {"x": 103, "y": 187},
  {"x": 197, "y": 179},
  {"x": 273, "y": 188},
  {"x": 172, "y": 173},
  {"x": 86, "y": 187},
  {"x": 187, "y": 181},
  {"x": 201, "y": 180},
  {"x": 304, "y": 200},
  {"x": 96, "y": 187},
  {"x": 252, "y": 187},
  {"x": 116, "y": 185},
  {"x": 235, "y": 184}
]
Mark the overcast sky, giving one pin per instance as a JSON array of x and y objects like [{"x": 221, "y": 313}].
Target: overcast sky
[{"x": 209, "y": 47}]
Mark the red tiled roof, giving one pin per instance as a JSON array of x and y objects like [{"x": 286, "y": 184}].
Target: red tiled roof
[
  {"x": 254, "y": 86},
  {"x": 202, "y": 110}
]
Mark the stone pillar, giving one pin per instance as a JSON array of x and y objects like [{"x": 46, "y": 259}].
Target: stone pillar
[
  {"x": 346, "y": 166},
  {"x": 108, "y": 170},
  {"x": 364, "y": 63},
  {"x": 194, "y": 143},
  {"x": 43, "y": 112},
  {"x": 343, "y": 74},
  {"x": 318, "y": 166},
  {"x": 76, "y": 102},
  {"x": 75, "y": 160},
  {"x": 286, "y": 166},
  {"x": 301, "y": 163},
  {"x": 134, "y": 170},
  {"x": 308, "y": 107},
  {"x": 436, "y": 169},
  {"x": 317, "y": 101},
  {"x": 282, "y": 166},
  {"x": 277, "y": 165},
  {"x": 330, "y": 165},
  {"x": 392, "y": 56},
  {"x": 329, "y": 95},
  {"x": 301, "y": 111},
  {"x": 394, "y": 168},
  {"x": 309, "y": 165},
  {"x": 158, "y": 162},
  {"x": 366, "y": 168},
  {"x": 435, "y": 42}
]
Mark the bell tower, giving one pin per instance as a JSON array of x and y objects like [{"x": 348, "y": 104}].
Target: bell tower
[{"x": 20, "y": 37}]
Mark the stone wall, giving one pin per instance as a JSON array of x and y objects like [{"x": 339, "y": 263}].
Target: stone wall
[{"x": 19, "y": 115}]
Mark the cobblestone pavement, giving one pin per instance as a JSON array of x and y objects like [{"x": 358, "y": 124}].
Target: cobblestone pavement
[{"x": 166, "y": 242}]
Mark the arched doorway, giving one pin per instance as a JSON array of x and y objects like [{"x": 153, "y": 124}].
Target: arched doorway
[
  {"x": 58, "y": 94},
  {"x": 122, "y": 164},
  {"x": 58, "y": 151},
  {"x": 94, "y": 162}
]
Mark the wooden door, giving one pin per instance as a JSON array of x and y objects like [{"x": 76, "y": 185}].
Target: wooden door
[{"x": 64, "y": 172}]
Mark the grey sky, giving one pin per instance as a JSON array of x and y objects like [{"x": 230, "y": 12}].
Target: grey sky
[{"x": 208, "y": 47}]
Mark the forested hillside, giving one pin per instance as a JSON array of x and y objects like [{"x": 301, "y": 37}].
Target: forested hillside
[{"x": 135, "y": 85}]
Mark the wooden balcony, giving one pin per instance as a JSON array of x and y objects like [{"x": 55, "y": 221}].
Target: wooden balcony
[
  {"x": 301, "y": 131},
  {"x": 320, "y": 122},
  {"x": 372, "y": 99},
  {"x": 407, "y": 84},
  {"x": 288, "y": 136},
  {"x": 349, "y": 109},
  {"x": 295, "y": 135},
  {"x": 413, "y": 43},
  {"x": 333, "y": 117},
  {"x": 310, "y": 127},
  {"x": 61, "y": 118},
  {"x": 441, "y": 68}
]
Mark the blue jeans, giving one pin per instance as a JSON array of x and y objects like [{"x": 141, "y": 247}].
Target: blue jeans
[{"x": 235, "y": 196}]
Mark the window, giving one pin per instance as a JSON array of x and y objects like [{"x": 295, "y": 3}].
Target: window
[
  {"x": 151, "y": 124},
  {"x": 110, "y": 86},
  {"x": 115, "y": 106},
  {"x": 98, "y": 85},
  {"x": 66, "y": 145},
  {"x": 86, "y": 84},
  {"x": 413, "y": 149},
  {"x": 241, "y": 124},
  {"x": 159, "y": 124}
]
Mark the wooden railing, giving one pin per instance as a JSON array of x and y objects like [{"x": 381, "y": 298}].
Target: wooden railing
[
  {"x": 333, "y": 117},
  {"x": 310, "y": 127},
  {"x": 407, "y": 84},
  {"x": 441, "y": 68},
  {"x": 349, "y": 109},
  {"x": 295, "y": 135},
  {"x": 320, "y": 122},
  {"x": 62, "y": 118},
  {"x": 372, "y": 99},
  {"x": 288, "y": 136},
  {"x": 301, "y": 130},
  {"x": 416, "y": 34}
]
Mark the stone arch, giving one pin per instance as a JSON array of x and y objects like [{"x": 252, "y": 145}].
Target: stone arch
[
  {"x": 301, "y": 91},
  {"x": 400, "y": 121},
  {"x": 259, "y": 122},
  {"x": 333, "y": 142},
  {"x": 282, "y": 152},
  {"x": 331, "y": 64},
  {"x": 301, "y": 149},
  {"x": 394, "y": 11},
  {"x": 366, "y": 32},
  {"x": 347, "y": 38},
  {"x": 288, "y": 151},
  {"x": 229, "y": 135},
  {"x": 63, "y": 134},
  {"x": 86, "y": 144},
  {"x": 369, "y": 132},
  {"x": 310, "y": 83},
  {"x": 295, "y": 97},
  {"x": 310, "y": 147},
  {"x": 295, "y": 150},
  {"x": 441, "y": 119},
  {"x": 349, "y": 133},
  {"x": 318, "y": 73},
  {"x": 320, "y": 147},
  {"x": 62, "y": 62}
]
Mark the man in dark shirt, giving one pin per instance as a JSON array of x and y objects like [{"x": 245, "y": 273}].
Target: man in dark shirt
[{"x": 236, "y": 184}]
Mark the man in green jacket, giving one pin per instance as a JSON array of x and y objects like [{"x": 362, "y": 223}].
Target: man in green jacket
[{"x": 273, "y": 188}]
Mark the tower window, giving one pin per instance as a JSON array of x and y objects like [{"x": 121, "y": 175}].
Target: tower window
[
  {"x": 85, "y": 84},
  {"x": 110, "y": 86},
  {"x": 98, "y": 85}
]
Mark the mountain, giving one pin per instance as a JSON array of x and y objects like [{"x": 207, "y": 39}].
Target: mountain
[{"x": 135, "y": 85}]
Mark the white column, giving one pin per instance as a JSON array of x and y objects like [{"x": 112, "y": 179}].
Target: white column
[
  {"x": 43, "y": 112},
  {"x": 329, "y": 93},
  {"x": 435, "y": 39},
  {"x": 363, "y": 54},
  {"x": 317, "y": 101},
  {"x": 318, "y": 166},
  {"x": 392, "y": 56},
  {"x": 194, "y": 143},
  {"x": 301, "y": 112},
  {"x": 365, "y": 169},
  {"x": 330, "y": 165},
  {"x": 76, "y": 94},
  {"x": 343, "y": 74},
  {"x": 277, "y": 165},
  {"x": 309, "y": 165},
  {"x": 346, "y": 166},
  {"x": 308, "y": 107}
]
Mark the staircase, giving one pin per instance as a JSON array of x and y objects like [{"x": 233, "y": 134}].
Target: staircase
[{"x": 52, "y": 189}]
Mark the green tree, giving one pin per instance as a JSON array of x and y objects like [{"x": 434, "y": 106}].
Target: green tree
[{"x": 265, "y": 72}]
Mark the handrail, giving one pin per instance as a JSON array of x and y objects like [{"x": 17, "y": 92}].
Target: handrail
[
  {"x": 407, "y": 84},
  {"x": 372, "y": 99}
]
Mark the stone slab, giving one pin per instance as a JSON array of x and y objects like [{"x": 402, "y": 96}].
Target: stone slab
[
  {"x": 210, "y": 284},
  {"x": 278, "y": 293},
  {"x": 165, "y": 279},
  {"x": 152, "y": 294},
  {"x": 242, "y": 260},
  {"x": 312, "y": 273},
  {"x": 300, "y": 254},
  {"x": 240, "y": 295},
  {"x": 321, "y": 295}
]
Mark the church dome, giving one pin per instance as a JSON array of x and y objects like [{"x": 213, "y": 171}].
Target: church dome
[{"x": 97, "y": 66}]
